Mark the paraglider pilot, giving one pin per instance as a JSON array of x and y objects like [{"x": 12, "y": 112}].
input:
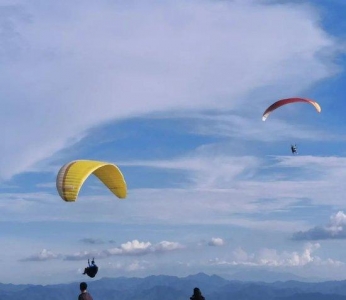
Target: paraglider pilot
[
  {"x": 92, "y": 269},
  {"x": 294, "y": 149}
]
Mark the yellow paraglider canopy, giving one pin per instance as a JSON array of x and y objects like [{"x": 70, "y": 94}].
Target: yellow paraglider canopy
[{"x": 73, "y": 174}]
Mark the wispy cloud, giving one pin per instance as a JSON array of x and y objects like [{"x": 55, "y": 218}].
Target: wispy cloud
[
  {"x": 44, "y": 255},
  {"x": 220, "y": 189},
  {"x": 321, "y": 163},
  {"x": 92, "y": 241},
  {"x": 273, "y": 258},
  {"x": 145, "y": 63},
  {"x": 134, "y": 266},
  {"x": 207, "y": 177},
  {"x": 250, "y": 128},
  {"x": 47, "y": 185},
  {"x": 206, "y": 169}
]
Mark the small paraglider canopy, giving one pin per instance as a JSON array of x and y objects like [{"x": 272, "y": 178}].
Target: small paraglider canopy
[{"x": 92, "y": 269}]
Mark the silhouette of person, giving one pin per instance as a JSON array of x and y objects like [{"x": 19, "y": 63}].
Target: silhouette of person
[
  {"x": 92, "y": 269},
  {"x": 84, "y": 295},
  {"x": 197, "y": 295}
]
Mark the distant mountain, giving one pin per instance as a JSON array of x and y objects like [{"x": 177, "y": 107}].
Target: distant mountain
[
  {"x": 267, "y": 276},
  {"x": 174, "y": 288},
  {"x": 313, "y": 296},
  {"x": 13, "y": 287}
]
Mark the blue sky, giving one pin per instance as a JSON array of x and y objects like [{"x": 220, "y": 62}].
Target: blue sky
[{"x": 173, "y": 93}]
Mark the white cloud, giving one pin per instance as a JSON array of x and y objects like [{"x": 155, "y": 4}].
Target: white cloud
[
  {"x": 127, "y": 267},
  {"x": 131, "y": 248},
  {"x": 216, "y": 242},
  {"x": 134, "y": 266},
  {"x": 112, "y": 60},
  {"x": 273, "y": 258},
  {"x": 165, "y": 246},
  {"x": 337, "y": 221},
  {"x": 241, "y": 255},
  {"x": 44, "y": 255},
  {"x": 336, "y": 229}
]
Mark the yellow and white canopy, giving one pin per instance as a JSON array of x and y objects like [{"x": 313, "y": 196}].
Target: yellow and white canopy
[{"x": 73, "y": 174}]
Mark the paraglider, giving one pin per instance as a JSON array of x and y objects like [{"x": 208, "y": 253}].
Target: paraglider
[
  {"x": 92, "y": 269},
  {"x": 282, "y": 102},
  {"x": 73, "y": 174},
  {"x": 294, "y": 149}
]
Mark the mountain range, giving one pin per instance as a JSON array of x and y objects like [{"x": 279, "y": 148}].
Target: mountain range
[{"x": 164, "y": 287}]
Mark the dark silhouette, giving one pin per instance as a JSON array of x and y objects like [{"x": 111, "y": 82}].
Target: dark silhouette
[
  {"x": 294, "y": 149},
  {"x": 84, "y": 295},
  {"x": 197, "y": 295},
  {"x": 92, "y": 269}
]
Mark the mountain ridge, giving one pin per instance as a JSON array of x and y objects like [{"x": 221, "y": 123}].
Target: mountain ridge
[{"x": 158, "y": 287}]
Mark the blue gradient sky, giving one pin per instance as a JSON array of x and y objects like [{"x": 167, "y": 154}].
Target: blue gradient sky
[{"x": 173, "y": 93}]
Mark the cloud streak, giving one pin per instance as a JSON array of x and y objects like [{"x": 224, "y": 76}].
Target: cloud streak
[
  {"x": 92, "y": 241},
  {"x": 273, "y": 258},
  {"x": 44, "y": 255},
  {"x": 220, "y": 189},
  {"x": 131, "y": 248}
]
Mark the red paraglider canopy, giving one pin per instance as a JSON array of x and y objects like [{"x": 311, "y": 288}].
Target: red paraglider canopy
[{"x": 282, "y": 102}]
